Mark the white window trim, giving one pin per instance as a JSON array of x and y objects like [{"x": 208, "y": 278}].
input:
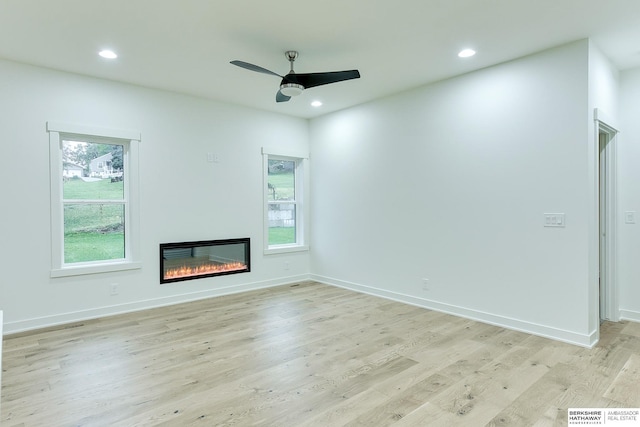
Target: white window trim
[
  {"x": 302, "y": 200},
  {"x": 59, "y": 131}
]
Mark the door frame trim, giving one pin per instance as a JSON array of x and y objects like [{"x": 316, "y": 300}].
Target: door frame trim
[{"x": 604, "y": 125}]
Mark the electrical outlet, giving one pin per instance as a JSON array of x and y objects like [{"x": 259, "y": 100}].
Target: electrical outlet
[
  {"x": 286, "y": 265},
  {"x": 113, "y": 289},
  {"x": 425, "y": 284}
]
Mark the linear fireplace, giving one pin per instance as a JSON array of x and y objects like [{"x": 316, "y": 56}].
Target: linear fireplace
[{"x": 195, "y": 260}]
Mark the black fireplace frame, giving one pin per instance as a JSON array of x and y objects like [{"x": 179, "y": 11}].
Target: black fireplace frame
[{"x": 246, "y": 241}]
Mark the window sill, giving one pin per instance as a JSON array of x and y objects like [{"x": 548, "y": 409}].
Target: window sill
[
  {"x": 95, "y": 269},
  {"x": 285, "y": 249}
]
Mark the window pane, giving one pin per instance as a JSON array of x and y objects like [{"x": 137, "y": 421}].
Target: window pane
[
  {"x": 92, "y": 171},
  {"x": 93, "y": 232},
  {"x": 281, "y": 179},
  {"x": 282, "y": 224}
]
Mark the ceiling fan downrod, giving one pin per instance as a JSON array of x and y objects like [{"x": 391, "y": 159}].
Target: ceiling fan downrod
[{"x": 291, "y": 55}]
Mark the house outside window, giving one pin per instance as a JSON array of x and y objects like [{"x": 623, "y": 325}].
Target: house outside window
[
  {"x": 94, "y": 193},
  {"x": 285, "y": 196}
]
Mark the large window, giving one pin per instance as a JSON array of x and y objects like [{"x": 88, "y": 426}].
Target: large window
[
  {"x": 285, "y": 181},
  {"x": 94, "y": 222}
]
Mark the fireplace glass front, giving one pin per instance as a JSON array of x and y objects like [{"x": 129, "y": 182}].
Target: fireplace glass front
[{"x": 195, "y": 260}]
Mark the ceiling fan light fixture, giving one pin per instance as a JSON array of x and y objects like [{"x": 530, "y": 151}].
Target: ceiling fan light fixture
[{"x": 291, "y": 89}]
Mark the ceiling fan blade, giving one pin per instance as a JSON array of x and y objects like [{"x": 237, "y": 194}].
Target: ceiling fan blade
[
  {"x": 280, "y": 97},
  {"x": 309, "y": 80},
  {"x": 252, "y": 67}
]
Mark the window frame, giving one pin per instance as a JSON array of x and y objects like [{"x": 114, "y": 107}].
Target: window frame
[
  {"x": 130, "y": 140},
  {"x": 301, "y": 189}
]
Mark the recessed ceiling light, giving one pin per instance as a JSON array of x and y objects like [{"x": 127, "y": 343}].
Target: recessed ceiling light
[
  {"x": 316, "y": 104},
  {"x": 109, "y": 54},
  {"x": 466, "y": 53}
]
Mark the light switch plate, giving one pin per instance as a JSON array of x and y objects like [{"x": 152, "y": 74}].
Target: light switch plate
[
  {"x": 554, "y": 220},
  {"x": 213, "y": 158},
  {"x": 630, "y": 217}
]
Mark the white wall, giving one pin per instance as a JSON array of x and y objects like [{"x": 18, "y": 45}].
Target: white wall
[
  {"x": 182, "y": 196},
  {"x": 629, "y": 195},
  {"x": 604, "y": 83},
  {"x": 450, "y": 182}
]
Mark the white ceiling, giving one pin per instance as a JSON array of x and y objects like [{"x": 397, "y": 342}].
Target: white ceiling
[{"x": 186, "y": 45}]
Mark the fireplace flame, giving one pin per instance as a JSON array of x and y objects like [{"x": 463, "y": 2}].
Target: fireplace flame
[{"x": 185, "y": 271}]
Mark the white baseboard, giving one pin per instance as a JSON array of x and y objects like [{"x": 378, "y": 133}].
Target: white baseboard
[
  {"x": 518, "y": 325},
  {"x": 509, "y": 323},
  {"x": 112, "y": 310},
  {"x": 634, "y": 316}
]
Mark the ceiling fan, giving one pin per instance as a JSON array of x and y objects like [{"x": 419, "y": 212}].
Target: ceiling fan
[{"x": 293, "y": 84}]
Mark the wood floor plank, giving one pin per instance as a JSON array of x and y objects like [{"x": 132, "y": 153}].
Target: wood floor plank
[
  {"x": 625, "y": 387},
  {"x": 307, "y": 355}
]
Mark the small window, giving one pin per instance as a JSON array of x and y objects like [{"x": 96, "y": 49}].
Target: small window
[
  {"x": 94, "y": 223},
  {"x": 285, "y": 207}
]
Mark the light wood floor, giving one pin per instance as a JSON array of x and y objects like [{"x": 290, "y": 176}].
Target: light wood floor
[{"x": 308, "y": 355}]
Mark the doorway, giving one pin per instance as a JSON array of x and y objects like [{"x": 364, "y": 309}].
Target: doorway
[{"x": 607, "y": 221}]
